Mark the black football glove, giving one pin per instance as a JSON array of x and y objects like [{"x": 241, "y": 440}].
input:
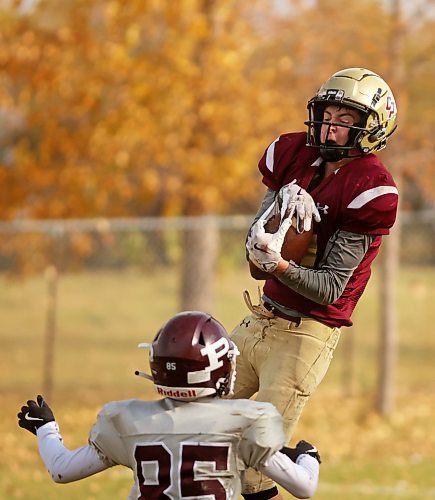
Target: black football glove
[
  {"x": 303, "y": 447},
  {"x": 35, "y": 414}
]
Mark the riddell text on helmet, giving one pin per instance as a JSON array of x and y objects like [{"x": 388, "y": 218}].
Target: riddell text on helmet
[{"x": 177, "y": 393}]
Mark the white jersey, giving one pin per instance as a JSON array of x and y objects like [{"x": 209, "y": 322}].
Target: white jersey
[{"x": 187, "y": 450}]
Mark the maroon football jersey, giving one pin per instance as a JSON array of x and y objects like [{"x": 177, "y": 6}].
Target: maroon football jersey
[{"x": 360, "y": 197}]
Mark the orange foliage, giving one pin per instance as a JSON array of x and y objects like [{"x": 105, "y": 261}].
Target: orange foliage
[{"x": 111, "y": 105}]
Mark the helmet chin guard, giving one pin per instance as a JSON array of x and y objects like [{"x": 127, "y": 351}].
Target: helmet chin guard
[
  {"x": 362, "y": 90},
  {"x": 331, "y": 152}
]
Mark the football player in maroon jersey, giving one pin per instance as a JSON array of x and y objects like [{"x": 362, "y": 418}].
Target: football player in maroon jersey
[
  {"x": 288, "y": 340},
  {"x": 190, "y": 443}
]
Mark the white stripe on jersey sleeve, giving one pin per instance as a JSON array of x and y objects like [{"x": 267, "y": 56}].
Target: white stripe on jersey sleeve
[
  {"x": 318, "y": 162},
  {"x": 369, "y": 195},
  {"x": 270, "y": 155}
]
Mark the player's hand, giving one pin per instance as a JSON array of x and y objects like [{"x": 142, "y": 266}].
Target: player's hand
[
  {"x": 35, "y": 414},
  {"x": 303, "y": 447},
  {"x": 296, "y": 203},
  {"x": 264, "y": 248}
]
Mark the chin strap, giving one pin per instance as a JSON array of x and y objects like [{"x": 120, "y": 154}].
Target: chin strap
[{"x": 332, "y": 154}]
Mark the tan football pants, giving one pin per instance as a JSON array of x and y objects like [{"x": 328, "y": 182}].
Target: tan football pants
[{"x": 283, "y": 363}]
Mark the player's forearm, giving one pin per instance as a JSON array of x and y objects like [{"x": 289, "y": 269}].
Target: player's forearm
[
  {"x": 265, "y": 204},
  {"x": 299, "y": 478},
  {"x": 268, "y": 199},
  {"x": 325, "y": 285},
  {"x": 65, "y": 465}
]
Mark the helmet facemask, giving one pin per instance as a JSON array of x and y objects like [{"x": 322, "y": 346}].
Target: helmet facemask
[
  {"x": 225, "y": 385},
  {"x": 329, "y": 150}
]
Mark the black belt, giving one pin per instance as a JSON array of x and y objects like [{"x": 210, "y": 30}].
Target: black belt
[{"x": 280, "y": 314}]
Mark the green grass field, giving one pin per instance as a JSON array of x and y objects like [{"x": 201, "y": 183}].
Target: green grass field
[{"x": 103, "y": 316}]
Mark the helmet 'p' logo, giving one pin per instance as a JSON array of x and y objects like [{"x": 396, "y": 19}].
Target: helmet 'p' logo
[
  {"x": 391, "y": 106},
  {"x": 214, "y": 352}
]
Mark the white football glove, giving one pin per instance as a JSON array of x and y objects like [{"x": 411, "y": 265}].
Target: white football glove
[
  {"x": 292, "y": 202},
  {"x": 265, "y": 248},
  {"x": 296, "y": 202}
]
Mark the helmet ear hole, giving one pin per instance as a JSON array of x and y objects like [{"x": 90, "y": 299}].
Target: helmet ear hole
[
  {"x": 372, "y": 138},
  {"x": 201, "y": 339},
  {"x": 377, "y": 136}
]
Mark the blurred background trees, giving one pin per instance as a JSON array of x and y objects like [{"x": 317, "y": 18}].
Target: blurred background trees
[
  {"x": 126, "y": 108},
  {"x": 152, "y": 108},
  {"x": 149, "y": 108},
  {"x": 131, "y": 108}
]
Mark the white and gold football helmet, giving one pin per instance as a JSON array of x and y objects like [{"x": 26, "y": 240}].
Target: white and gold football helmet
[{"x": 365, "y": 91}]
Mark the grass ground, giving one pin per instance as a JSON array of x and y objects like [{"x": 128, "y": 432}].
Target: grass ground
[{"x": 103, "y": 316}]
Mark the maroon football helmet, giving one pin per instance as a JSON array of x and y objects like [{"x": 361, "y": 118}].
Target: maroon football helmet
[{"x": 192, "y": 356}]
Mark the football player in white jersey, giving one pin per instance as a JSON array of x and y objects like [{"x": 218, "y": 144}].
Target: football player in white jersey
[{"x": 191, "y": 443}]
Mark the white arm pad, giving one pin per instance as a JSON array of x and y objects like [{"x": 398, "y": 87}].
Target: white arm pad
[
  {"x": 65, "y": 465},
  {"x": 299, "y": 478}
]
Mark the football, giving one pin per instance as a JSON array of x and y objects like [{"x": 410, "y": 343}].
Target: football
[{"x": 295, "y": 246}]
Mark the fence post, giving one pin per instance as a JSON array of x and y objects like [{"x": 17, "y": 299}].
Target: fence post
[{"x": 51, "y": 278}]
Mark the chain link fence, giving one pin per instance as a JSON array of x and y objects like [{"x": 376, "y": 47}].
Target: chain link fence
[{"x": 149, "y": 242}]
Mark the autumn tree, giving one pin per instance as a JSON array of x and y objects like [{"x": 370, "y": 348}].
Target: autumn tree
[{"x": 131, "y": 108}]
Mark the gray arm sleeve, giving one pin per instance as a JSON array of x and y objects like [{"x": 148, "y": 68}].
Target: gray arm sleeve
[
  {"x": 324, "y": 285},
  {"x": 268, "y": 199}
]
